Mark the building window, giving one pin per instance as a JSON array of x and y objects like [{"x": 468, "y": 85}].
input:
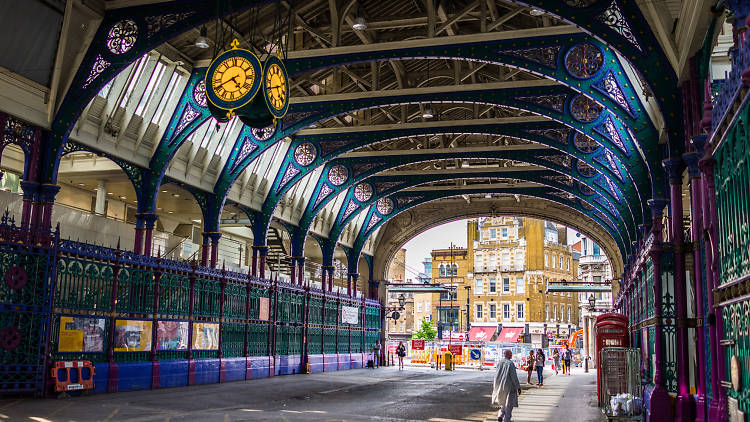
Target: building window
[
  {"x": 493, "y": 287},
  {"x": 561, "y": 263},
  {"x": 554, "y": 312},
  {"x": 506, "y": 285},
  {"x": 553, "y": 261},
  {"x": 427, "y": 306},
  {"x": 520, "y": 287},
  {"x": 478, "y": 286},
  {"x": 455, "y": 269},
  {"x": 546, "y": 312},
  {"x": 504, "y": 233},
  {"x": 493, "y": 233},
  {"x": 568, "y": 264},
  {"x": 419, "y": 306},
  {"x": 442, "y": 270},
  {"x": 597, "y": 250},
  {"x": 506, "y": 310},
  {"x": 546, "y": 258},
  {"x": 479, "y": 311},
  {"x": 520, "y": 315},
  {"x": 569, "y": 308},
  {"x": 493, "y": 311}
]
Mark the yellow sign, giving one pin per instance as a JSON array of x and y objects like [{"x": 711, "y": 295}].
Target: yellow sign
[
  {"x": 81, "y": 334},
  {"x": 132, "y": 335},
  {"x": 205, "y": 336}
]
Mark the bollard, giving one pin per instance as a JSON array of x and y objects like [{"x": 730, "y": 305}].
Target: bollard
[{"x": 586, "y": 365}]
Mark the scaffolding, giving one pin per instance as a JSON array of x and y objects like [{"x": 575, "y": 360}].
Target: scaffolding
[{"x": 619, "y": 383}]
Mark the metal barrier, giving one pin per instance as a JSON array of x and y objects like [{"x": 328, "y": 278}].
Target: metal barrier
[{"x": 619, "y": 374}]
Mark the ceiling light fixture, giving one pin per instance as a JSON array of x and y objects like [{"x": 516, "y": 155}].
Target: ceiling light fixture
[
  {"x": 359, "y": 24},
  {"x": 536, "y": 12},
  {"x": 427, "y": 113},
  {"x": 202, "y": 41}
]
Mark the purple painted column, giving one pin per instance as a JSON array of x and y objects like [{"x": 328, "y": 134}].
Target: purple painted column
[
  {"x": 139, "y": 228},
  {"x": 293, "y": 271},
  {"x": 214, "y": 236},
  {"x": 323, "y": 278},
  {"x": 29, "y": 197},
  {"x": 191, "y": 308},
  {"x": 262, "y": 253},
  {"x": 206, "y": 247},
  {"x": 354, "y": 278},
  {"x": 684, "y": 403},
  {"x": 47, "y": 193},
  {"x": 149, "y": 221},
  {"x": 155, "y": 367},
  {"x": 301, "y": 271},
  {"x": 660, "y": 405},
  {"x": 254, "y": 262},
  {"x": 349, "y": 284},
  {"x": 220, "y": 354},
  {"x": 696, "y": 233},
  {"x": 113, "y": 374},
  {"x": 717, "y": 409},
  {"x": 330, "y": 277}
]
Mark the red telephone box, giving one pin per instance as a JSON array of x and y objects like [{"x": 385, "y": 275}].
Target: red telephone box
[{"x": 611, "y": 331}]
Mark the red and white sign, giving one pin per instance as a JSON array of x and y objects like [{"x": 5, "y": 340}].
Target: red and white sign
[
  {"x": 453, "y": 335},
  {"x": 456, "y": 349},
  {"x": 417, "y": 345}
]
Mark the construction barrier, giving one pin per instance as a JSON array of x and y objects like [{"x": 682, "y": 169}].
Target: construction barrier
[{"x": 73, "y": 376}]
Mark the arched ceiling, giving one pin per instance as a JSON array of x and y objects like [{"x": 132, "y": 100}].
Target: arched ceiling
[{"x": 555, "y": 99}]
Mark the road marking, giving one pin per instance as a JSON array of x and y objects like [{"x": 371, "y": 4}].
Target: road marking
[{"x": 111, "y": 415}]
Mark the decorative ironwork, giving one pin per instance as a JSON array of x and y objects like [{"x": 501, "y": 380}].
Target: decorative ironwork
[
  {"x": 381, "y": 187},
  {"x": 564, "y": 180},
  {"x": 584, "y": 61},
  {"x": 585, "y": 143},
  {"x": 614, "y": 18},
  {"x": 384, "y": 206},
  {"x": 359, "y": 168},
  {"x": 363, "y": 192},
  {"x": 263, "y": 133},
  {"x": 584, "y": 109},
  {"x": 561, "y": 160},
  {"x": 247, "y": 148},
  {"x": 337, "y": 175},
  {"x": 325, "y": 190},
  {"x": 584, "y": 169},
  {"x": 609, "y": 130},
  {"x": 291, "y": 119},
  {"x": 188, "y": 115},
  {"x": 559, "y": 135},
  {"x": 199, "y": 93},
  {"x": 289, "y": 174},
  {"x": 580, "y": 3},
  {"x": 586, "y": 205},
  {"x": 155, "y": 24},
  {"x": 350, "y": 208},
  {"x": 402, "y": 201},
  {"x": 122, "y": 36},
  {"x": 546, "y": 56},
  {"x": 327, "y": 147},
  {"x": 304, "y": 154},
  {"x": 375, "y": 219},
  {"x": 552, "y": 102},
  {"x": 99, "y": 66},
  {"x": 585, "y": 189},
  {"x": 609, "y": 86}
]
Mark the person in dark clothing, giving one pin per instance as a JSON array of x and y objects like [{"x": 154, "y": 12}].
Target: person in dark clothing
[{"x": 540, "y": 366}]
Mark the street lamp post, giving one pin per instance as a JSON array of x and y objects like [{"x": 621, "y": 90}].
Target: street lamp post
[{"x": 468, "y": 294}]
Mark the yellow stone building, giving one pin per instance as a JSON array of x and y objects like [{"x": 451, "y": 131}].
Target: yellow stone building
[{"x": 503, "y": 272}]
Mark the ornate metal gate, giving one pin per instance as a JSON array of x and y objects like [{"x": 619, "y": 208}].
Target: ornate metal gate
[{"x": 27, "y": 267}]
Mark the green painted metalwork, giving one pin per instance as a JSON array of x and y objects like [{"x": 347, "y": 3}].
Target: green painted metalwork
[
  {"x": 135, "y": 291},
  {"x": 91, "y": 356},
  {"x": 257, "y": 335},
  {"x": 235, "y": 300},
  {"x": 329, "y": 340},
  {"x": 669, "y": 327},
  {"x": 174, "y": 294},
  {"x": 651, "y": 353},
  {"x": 207, "y": 299},
  {"x": 233, "y": 339},
  {"x": 83, "y": 285},
  {"x": 315, "y": 310},
  {"x": 256, "y": 293},
  {"x": 344, "y": 340},
  {"x": 731, "y": 179},
  {"x": 331, "y": 315},
  {"x": 315, "y": 340},
  {"x": 736, "y": 323}
]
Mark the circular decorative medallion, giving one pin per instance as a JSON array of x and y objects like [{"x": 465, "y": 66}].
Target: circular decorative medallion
[
  {"x": 304, "y": 154},
  {"x": 10, "y": 338},
  {"x": 584, "y": 109},
  {"x": 264, "y": 133},
  {"x": 584, "y": 143},
  {"x": 580, "y": 3},
  {"x": 276, "y": 86},
  {"x": 384, "y": 206},
  {"x": 585, "y": 170},
  {"x": 584, "y": 61},
  {"x": 736, "y": 373},
  {"x": 363, "y": 192},
  {"x": 337, "y": 175},
  {"x": 122, "y": 36},
  {"x": 199, "y": 94},
  {"x": 233, "y": 78},
  {"x": 16, "y": 277}
]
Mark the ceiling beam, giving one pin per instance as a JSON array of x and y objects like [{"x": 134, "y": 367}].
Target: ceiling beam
[{"x": 449, "y": 151}]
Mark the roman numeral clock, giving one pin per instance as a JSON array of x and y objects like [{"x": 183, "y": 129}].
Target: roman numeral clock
[{"x": 233, "y": 80}]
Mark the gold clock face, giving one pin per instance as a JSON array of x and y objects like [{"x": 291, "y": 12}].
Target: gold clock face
[
  {"x": 233, "y": 79},
  {"x": 276, "y": 86}
]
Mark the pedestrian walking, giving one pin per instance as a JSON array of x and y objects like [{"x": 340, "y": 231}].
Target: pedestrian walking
[
  {"x": 506, "y": 387},
  {"x": 530, "y": 362},
  {"x": 540, "y": 367},
  {"x": 376, "y": 354},
  {"x": 401, "y": 352},
  {"x": 567, "y": 357},
  {"x": 556, "y": 359}
]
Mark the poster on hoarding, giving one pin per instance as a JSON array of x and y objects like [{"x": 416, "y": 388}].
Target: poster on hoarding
[
  {"x": 417, "y": 345},
  {"x": 349, "y": 315},
  {"x": 264, "y": 308},
  {"x": 205, "y": 336},
  {"x": 453, "y": 335},
  {"x": 81, "y": 334},
  {"x": 132, "y": 335},
  {"x": 455, "y": 349},
  {"x": 172, "y": 335}
]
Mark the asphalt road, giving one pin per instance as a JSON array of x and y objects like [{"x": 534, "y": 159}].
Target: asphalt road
[{"x": 385, "y": 394}]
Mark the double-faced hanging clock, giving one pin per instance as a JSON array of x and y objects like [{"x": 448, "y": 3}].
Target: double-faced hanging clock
[
  {"x": 276, "y": 86},
  {"x": 232, "y": 81}
]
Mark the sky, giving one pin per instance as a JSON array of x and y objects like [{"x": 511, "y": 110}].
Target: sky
[{"x": 439, "y": 237}]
